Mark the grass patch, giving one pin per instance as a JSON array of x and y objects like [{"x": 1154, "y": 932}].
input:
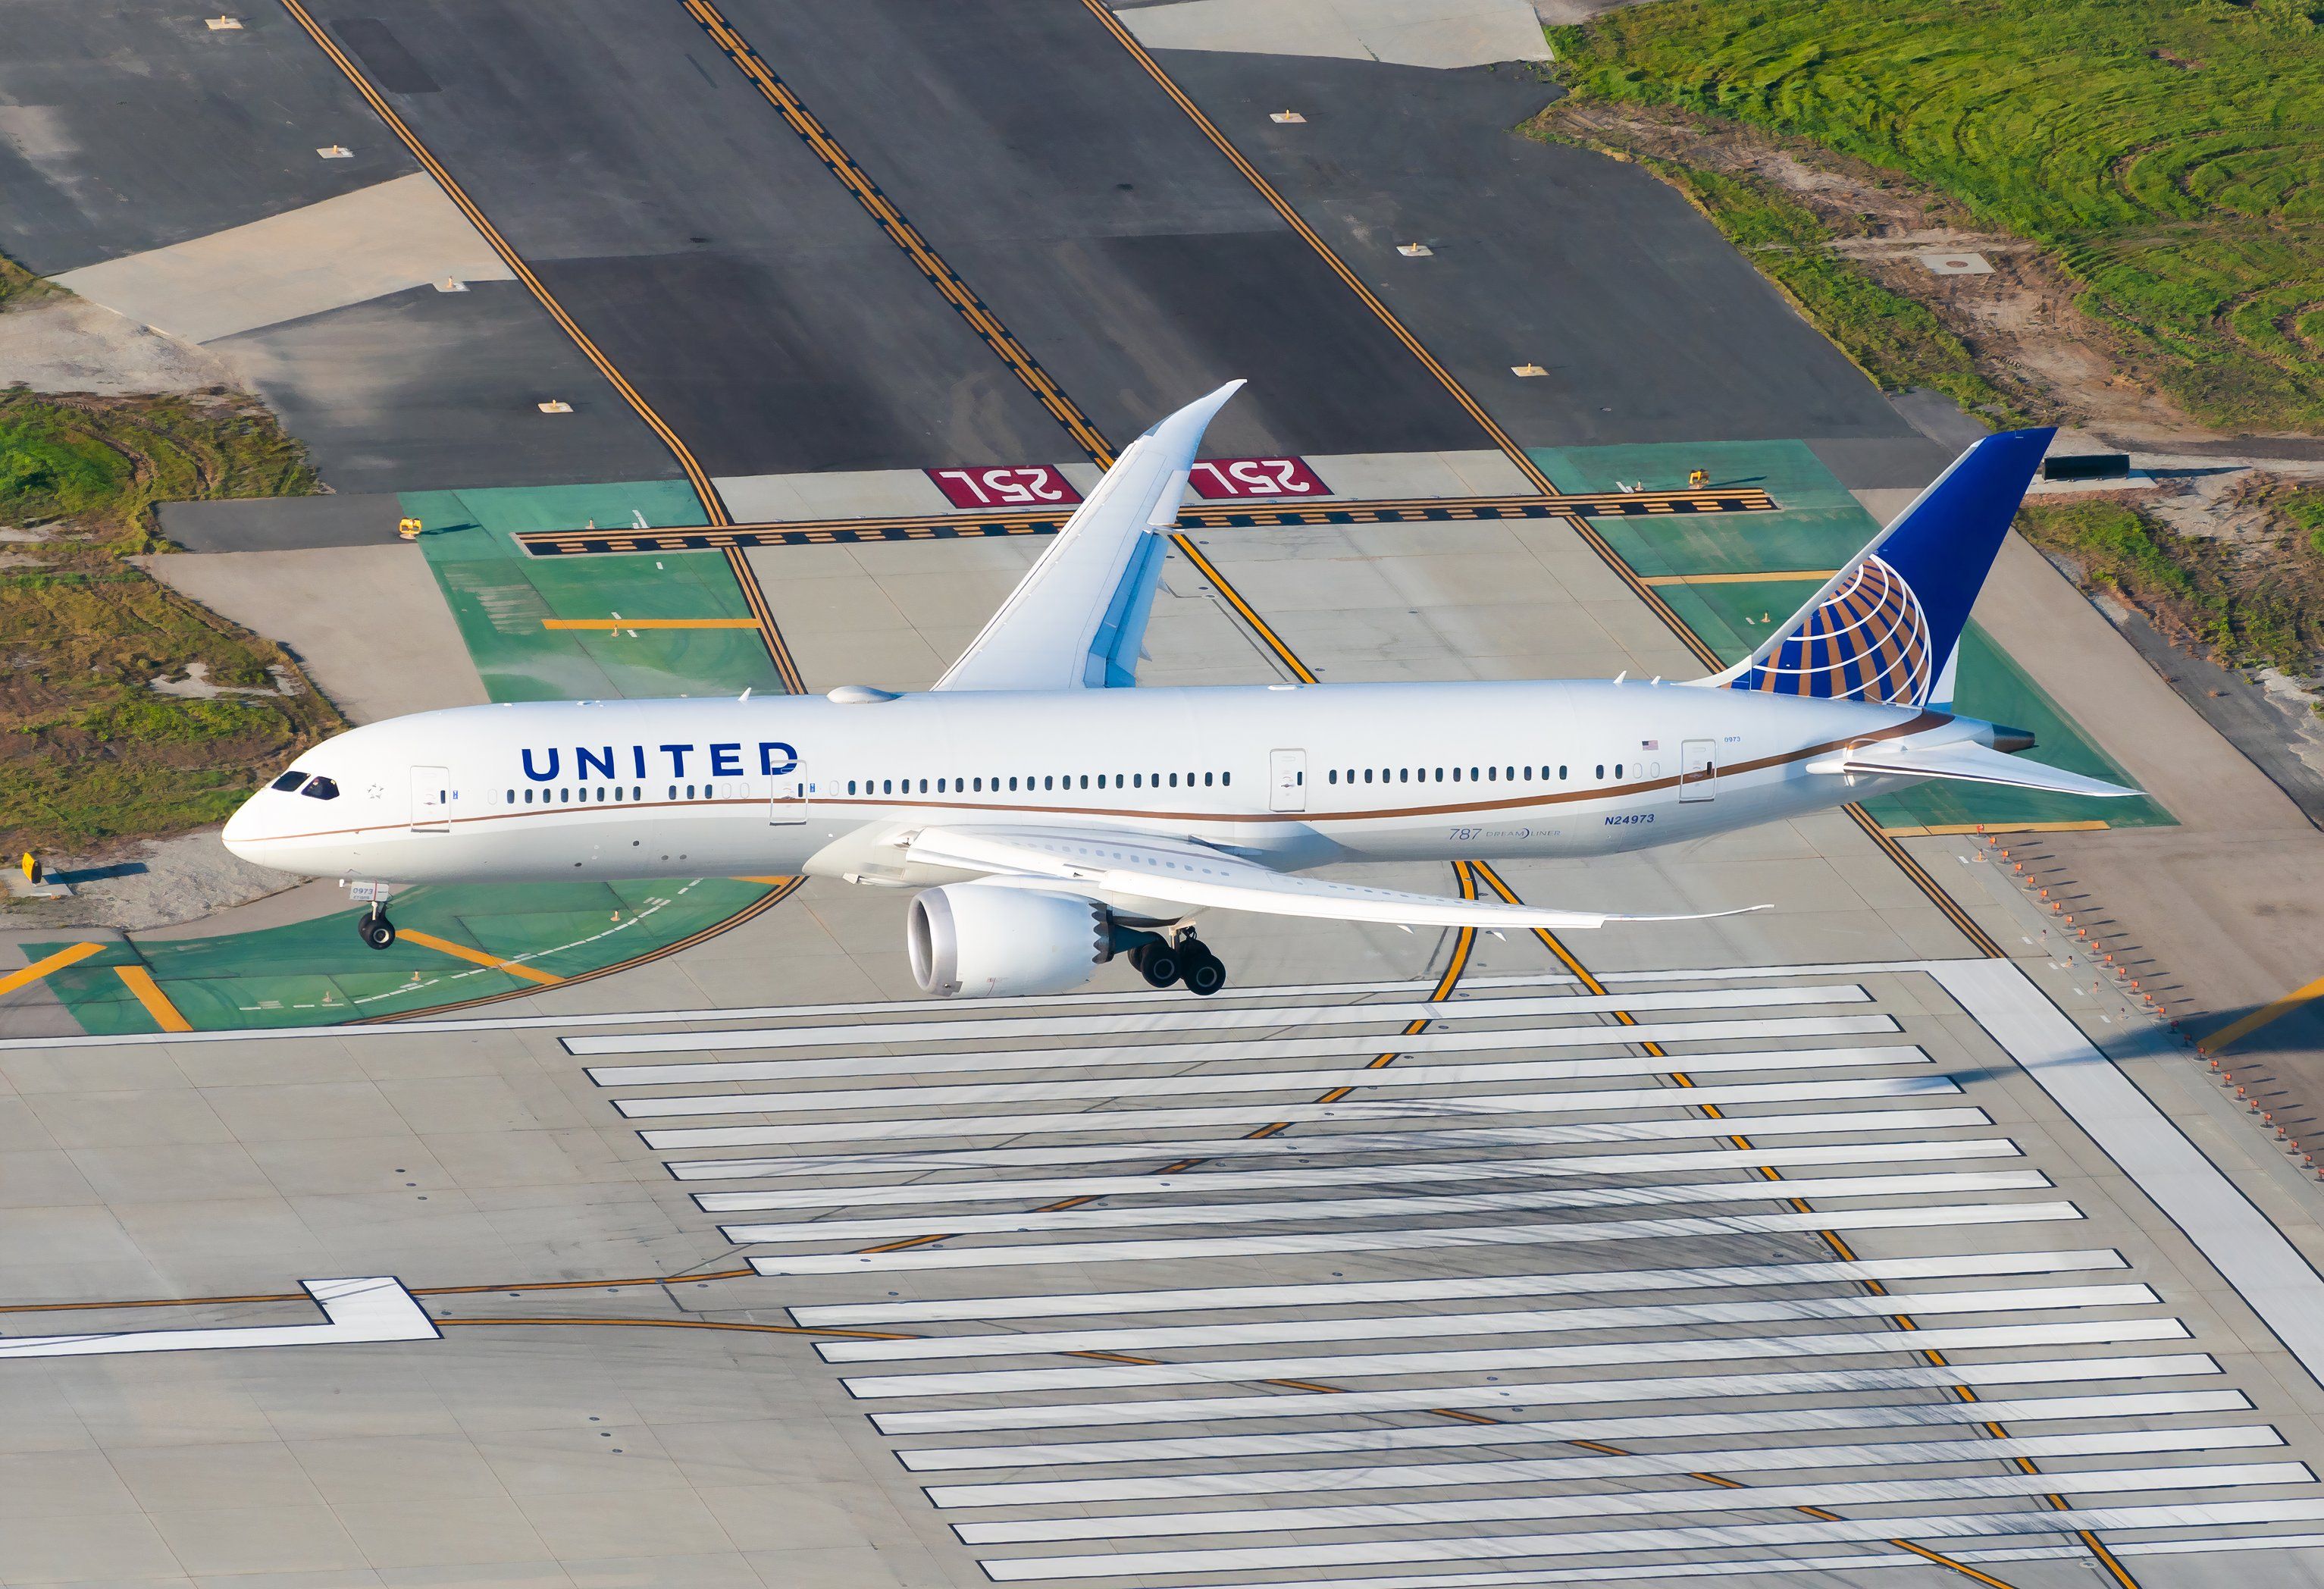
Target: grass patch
[
  {"x": 19, "y": 285},
  {"x": 2243, "y": 604},
  {"x": 2170, "y": 153},
  {"x": 1899, "y": 343},
  {"x": 89, "y": 752}
]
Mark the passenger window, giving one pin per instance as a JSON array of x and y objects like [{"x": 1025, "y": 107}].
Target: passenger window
[
  {"x": 1560, "y": 773},
  {"x": 1368, "y": 775},
  {"x": 1334, "y": 776},
  {"x": 528, "y": 797},
  {"x": 1601, "y": 770},
  {"x": 1440, "y": 775},
  {"x": 291, "y": 780},
  {"x": 1473, "y": 775},
  {"x": 512, "y": 797},
  {"x": 1226, "y": 778},
  {"x": 689, "y": 791},
  {"x": 1173, "y": 781},
  {"x": 1138, "y": 781},
  {"x": 673, "y": 792},
  {"x": 1491, "y": 770},
  {"x": 1617, "y": 770}
]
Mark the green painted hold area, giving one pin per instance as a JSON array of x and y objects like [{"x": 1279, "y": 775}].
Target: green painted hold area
[
  {"x": 1820, "y": 526},
  {"x": 318, "y": 972}
]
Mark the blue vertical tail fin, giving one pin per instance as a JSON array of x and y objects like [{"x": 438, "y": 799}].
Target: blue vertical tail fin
[{"x": 1884, "y": 627}]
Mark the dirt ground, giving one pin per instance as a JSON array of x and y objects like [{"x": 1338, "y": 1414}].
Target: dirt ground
[
  {"x": 67, "y": 344},
  {"x": 2020, "y": 323}
]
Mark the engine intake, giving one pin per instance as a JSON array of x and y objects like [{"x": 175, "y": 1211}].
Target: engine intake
[{"x": 991, "y": 939}]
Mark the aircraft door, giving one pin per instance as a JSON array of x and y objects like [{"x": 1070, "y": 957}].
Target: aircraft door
[
  {"x": 1698, "y": 770},
  {"x": 431, "y": 799},
  {"x": 1287, "y": 781},
  {"x": 788, "y": 799}
]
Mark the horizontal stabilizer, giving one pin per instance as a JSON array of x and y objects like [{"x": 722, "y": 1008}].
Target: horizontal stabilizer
[
  {"x": 1965, "y": 761},
  {"x": 1199, "y": 878}
]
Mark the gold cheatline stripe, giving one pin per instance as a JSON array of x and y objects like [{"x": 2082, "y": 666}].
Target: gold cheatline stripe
[
  {"x": 694, "y": 472},
  {"x": 901, "y": 232},
  {"x": 140, "y": 982},
  {"x": 42, "y": 967}
]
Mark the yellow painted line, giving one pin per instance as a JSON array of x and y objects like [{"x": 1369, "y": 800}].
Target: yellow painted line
[
  {"x": 650, "y": 623},
  {"x": 429, "y": 940},
  {"x": 1950, "y": 829},
  {"x": 2236, "y": 1031},
  {"x": 42, "y": 967},
  {"x": 1737, "y": 579},
  {"x": 149, "y": 992},
  {"x": 770, "y": 881}
]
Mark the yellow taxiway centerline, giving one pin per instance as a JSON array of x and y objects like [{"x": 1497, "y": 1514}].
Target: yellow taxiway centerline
[
  {"x": 2235, "y": 1031},
  {"x": 140, "y": 982},
  {"x": 443, "y": 945},
  {"x": 47, "y": 963}
]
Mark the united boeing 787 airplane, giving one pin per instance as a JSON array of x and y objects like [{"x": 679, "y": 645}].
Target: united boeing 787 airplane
[{"x": 1052, "y": 815}]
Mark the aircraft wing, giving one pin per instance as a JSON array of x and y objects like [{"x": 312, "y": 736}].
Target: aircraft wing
[
  {"x": 1181, "y": 872},
  {"x": 1078, "y": 617},
  {"x": 1965, "y": 761}
]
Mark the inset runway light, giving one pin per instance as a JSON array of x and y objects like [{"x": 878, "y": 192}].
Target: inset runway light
[
  {"x": 555, "y": 406},
  {"x": 337, "y": 152},
  {"x": 1287, "y": 117},
  {"x": 1528, "y": 370},
  {"x": 223, "y": 24},
  {"x": 451, "y": 284},
  {"x": 1415, "y": 250}
]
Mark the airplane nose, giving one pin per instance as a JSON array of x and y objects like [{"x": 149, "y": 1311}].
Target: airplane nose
[{"x": 241, "y": 831}]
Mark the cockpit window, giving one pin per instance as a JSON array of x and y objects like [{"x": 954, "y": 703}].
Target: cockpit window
[
  {"x": 289, "y": 780},
  {"x": 322, "y": 789}
]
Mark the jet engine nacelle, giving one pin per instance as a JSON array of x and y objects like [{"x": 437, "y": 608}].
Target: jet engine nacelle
[{"x": 988, "y": 938}]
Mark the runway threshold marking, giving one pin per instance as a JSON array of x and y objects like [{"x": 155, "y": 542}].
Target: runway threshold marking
[
  {"x": 695, "y": 474},
  {"x": 140, "y": 982},
  {"x": 72, "y": 956},
  {"x": 444, "y": 946},
  {"x": 946, "y": 281},
  {"x": 2235, "y": 1032},
  {"x": 2097, "y": 1546}
]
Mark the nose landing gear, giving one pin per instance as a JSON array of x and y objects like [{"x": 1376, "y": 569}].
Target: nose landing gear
[
  {"x": 1162, "y": 961},
  {"x": 375, "y": 926}
]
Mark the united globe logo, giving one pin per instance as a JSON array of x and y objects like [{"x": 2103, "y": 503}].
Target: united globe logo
[{"x": 1869, "y": 641}]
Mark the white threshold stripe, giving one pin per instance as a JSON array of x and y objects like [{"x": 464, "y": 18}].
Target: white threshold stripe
[
  {"x": 1380, "y": 1441},
  {"x": 1366, "y": 1365},
  {"x": 1524, "y": 1508},
  {"x": 2274, "y": 1278},
  {"x": 1539, "y": 1393},
  {"x": 1438, "y": 1171},
  {"x": 927, "y": 1161},
  {"x": 1512, "y": 1322},
  {"x": 815, "y": 1100},
  {"x": 1943, "y": 1217},
  {"x": 1451, "y": 1287},
  {"x": 1441, "y": 1172},
  {"x": 1485, "y": 1105},
  {"x": 1918, "y": 1527},
  {"x": 1325, "y": 1209},
  {"x": 1563, "y": 1470},
  {"x": 1176, "y": 1018},
  {"x": 1748, "y": 1566}
]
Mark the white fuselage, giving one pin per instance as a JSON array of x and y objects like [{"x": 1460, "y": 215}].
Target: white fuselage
[{"x": 1304, "y": 776}]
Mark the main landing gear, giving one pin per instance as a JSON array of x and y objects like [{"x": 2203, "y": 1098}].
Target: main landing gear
[
  {"x": 1162, "y": 961},
  {"x": 375, "y": 926}
]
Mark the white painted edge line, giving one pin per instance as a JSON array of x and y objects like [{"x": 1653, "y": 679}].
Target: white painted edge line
[
  {"x": 1500, "y": 1322},
  {"x": 1143, "y": 1216},
  {"x": 1596, "y": 1542},
  {"x": 935, "y": 1011},
  {"x": 1524, "y": 1395},
  {"x": 924, "y": 1160},
  {"x": 1442, "y": 1172},
  {"x": 1211, "y": 1300},
  {"x": 1468, "y": 1107},
  {"x": 1555, "y": 1470},
  {"x": 2272, "y": 1275},
  {"x": 1951, "y": 1215},
  {"x": 779, "y": 1101},
  {"x": 1203, "y": 1019},
  {"x": 1378, "y": 1441},
  {"x": 1365, "y": 1365},
  {"x": 366, "y": 1308}
]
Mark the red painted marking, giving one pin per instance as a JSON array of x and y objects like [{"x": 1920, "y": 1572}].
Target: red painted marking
[
  {"x": 1005, "y": 486},
  {"x": 1214, "y": 479}
]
